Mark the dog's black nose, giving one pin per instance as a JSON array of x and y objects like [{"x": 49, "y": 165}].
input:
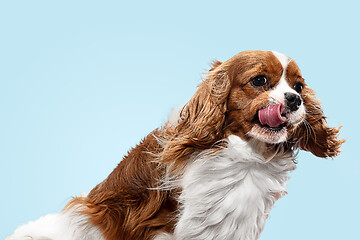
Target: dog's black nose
[{"x": 293, "y": 101}]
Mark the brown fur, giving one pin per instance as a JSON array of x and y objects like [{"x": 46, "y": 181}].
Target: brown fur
[
  {"x": 128, "y": 204},
  {"x": 202, "y": 121},
  {"x": 123, "y": 205},
  {"x": 244, "y": 100}
]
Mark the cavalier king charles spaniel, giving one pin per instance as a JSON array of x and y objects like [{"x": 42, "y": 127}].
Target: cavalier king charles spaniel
[{"x": 213, "y": 172}]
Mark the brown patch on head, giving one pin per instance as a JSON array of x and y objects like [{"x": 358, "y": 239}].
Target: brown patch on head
[
  {"x": 245, "y": 99},
  {"x": 293, "y": 74}
]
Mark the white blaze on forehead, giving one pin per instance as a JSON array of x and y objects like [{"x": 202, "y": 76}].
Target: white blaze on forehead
[{"x": 278, "y": 94}]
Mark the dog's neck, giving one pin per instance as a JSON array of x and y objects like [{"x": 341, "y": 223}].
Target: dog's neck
[
  {"x": 229, "y": 194},
  {"x": 269, "y": 151}
]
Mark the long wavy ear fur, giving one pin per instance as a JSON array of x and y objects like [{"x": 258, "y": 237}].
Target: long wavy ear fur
[
  {"x": 202, "y": 120},
  {"x": 314, "y": 134}
]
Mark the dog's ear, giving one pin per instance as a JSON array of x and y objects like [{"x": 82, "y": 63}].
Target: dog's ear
[
  {"x": 201, "y": 120},
  {"x": 214, "y": 64},
  {"x": 314, "y": 134}
]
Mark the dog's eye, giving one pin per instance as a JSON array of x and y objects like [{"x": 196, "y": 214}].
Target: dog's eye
[
  {"x": 260, "y": 81},
  {"x": 298, "y": 87}
]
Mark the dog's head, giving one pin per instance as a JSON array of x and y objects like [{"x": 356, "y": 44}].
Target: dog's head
[
  {"x": 258, "y": 96},
  {"x": 265, "y": 100}
]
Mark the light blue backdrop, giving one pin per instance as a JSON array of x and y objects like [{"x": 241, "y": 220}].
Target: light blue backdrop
[{"x": 83, "y": 81}]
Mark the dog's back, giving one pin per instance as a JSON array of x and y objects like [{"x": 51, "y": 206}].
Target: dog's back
[{"x": 127, "y": 205}]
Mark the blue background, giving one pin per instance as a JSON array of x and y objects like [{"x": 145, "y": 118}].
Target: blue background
[{"x": 83, "y": 81}]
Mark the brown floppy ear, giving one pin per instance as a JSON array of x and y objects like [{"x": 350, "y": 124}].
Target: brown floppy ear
[
  {"x": 314, "y": 134},
  {"x": 202, "y": 119},
  {"x": 214, "y": 64}
]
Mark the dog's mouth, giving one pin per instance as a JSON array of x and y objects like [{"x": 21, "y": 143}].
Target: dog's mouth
[
  {"x": 270, "y": 124},
  {"x": 271, "y": 118}
]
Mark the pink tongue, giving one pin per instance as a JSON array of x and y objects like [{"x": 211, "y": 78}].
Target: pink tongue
[{"x": 271, "y": 115}]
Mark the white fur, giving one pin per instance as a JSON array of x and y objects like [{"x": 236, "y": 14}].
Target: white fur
[
  {"x": 262, "y": 134},
  {"x": 278, "y": 94},
  {"x": 67, "y": 225},
  {"x": 282, "y": 87},
  {"x": 228, "y": 195},
  {"x": 164, "y": 236}
]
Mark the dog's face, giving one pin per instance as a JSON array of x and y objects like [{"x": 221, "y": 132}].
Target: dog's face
[
  {"x": 255, "y": 95},
  {"x": 265, "y": 101}
]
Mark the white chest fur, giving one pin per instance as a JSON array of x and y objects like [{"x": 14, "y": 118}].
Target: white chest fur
[{"x": 228, "y": 195}]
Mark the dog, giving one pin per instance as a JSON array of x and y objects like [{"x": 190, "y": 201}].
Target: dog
[{"x": 214, "y": 171}]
